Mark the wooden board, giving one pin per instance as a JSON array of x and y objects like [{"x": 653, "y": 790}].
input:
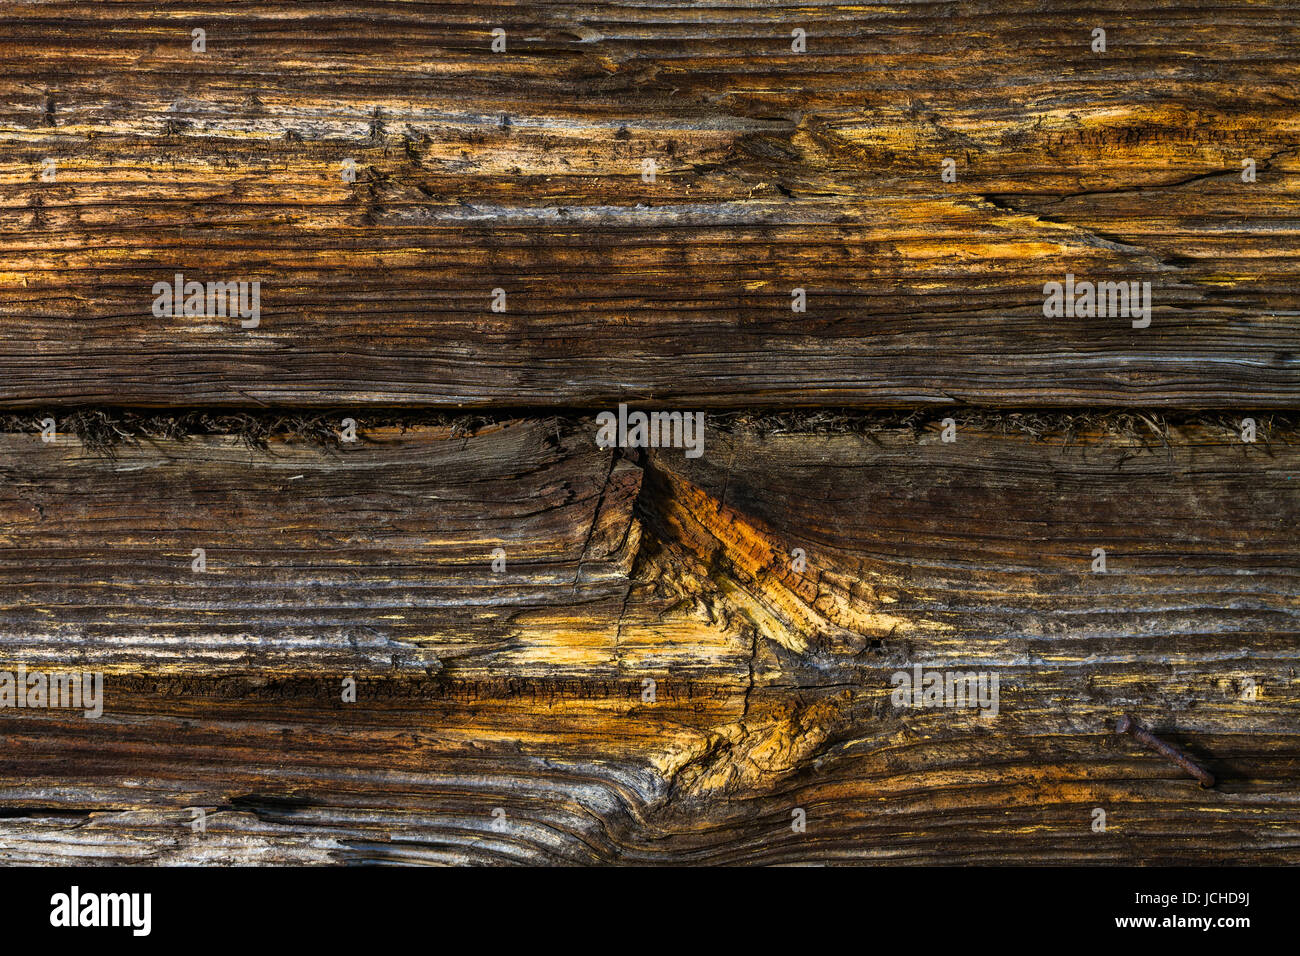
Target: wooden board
[
  {"x": 772, "y": 687},
  {"x": 522, "y": 171},
  {"x": 375, "y": 556}
]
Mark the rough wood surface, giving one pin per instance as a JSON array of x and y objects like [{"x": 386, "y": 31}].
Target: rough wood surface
[
  {"x": 371, "y": 556},
  {"x": 680, "y": 656},
  {"x": 774, "y": 170},
  {"x": 772, "y": 686}
]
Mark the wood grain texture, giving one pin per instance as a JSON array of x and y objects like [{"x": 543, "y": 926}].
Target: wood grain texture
[
  {"x": 775, "y": 170},
  {"x": 772, "y": 686},
  {"x": 652, "y": 677},
  {"x": 371, "y": 556}
]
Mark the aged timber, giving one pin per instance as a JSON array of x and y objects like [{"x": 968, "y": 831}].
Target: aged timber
[
  {"x": 127, "y": 157},
  {"x": 772, "y": 687}
]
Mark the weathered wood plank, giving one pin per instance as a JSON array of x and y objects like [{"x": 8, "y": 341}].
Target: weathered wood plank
[
  {"x": 774, "y": 170},
  {"x": 369, "y": 556},
  {"x": 773, "y": 686},
  {"x": 287, "y": 777}
]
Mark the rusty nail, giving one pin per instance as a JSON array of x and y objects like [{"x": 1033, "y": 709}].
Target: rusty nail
[{"x": 1127, "y": 725}]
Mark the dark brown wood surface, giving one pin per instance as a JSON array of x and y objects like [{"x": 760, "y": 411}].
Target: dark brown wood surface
[
  {"x": 772, "y": 687},
  {"x": 374, "y": 556},
  {"x": 654, "y": 676},
  {"x": 522, "y": 170}
]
